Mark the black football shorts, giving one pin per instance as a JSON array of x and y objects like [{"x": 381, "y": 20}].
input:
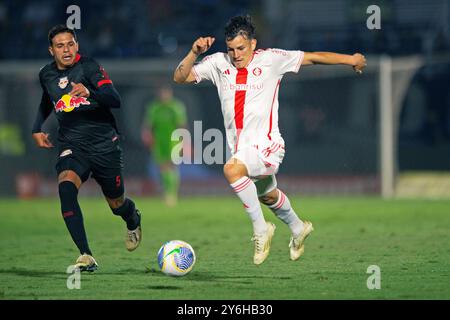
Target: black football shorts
[{"x": 106, "y": 168}]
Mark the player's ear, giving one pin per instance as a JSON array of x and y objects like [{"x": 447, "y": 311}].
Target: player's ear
[
  {"x": 50, "y": 49},
  {"x": 254, "y": 44}
]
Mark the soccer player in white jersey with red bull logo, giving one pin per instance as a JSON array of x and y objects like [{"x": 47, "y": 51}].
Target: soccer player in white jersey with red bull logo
[{"x": 248, "y": 82}]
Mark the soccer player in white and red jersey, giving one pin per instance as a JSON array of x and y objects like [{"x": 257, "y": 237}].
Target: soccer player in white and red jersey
[{"x": 248, "y": 82}]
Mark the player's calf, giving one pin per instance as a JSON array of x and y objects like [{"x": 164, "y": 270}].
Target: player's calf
[{"x": 73, "y": 218}]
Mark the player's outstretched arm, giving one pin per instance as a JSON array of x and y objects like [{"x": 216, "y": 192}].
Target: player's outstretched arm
[
  {"x": 183, "y": 73},
  {"x": 357, "y": 60}
]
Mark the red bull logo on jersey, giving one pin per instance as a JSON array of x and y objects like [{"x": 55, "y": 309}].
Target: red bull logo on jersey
[{"x": 67, "y": 103}]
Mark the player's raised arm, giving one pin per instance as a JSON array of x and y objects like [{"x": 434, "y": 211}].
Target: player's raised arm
[
  {"x": 183, "y": 73},
  {"x": 357, "y": 60}
]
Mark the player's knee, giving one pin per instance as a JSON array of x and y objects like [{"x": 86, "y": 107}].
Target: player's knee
[
  {"x": 232, "y": 172},
  {"x": 113, "y": 190},
  {"x": 69, "y": 176}
]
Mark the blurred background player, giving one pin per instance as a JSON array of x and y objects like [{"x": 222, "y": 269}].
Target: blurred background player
[
  {"x": 162, "y": 116},
  {"x": 248, "y": 82},
  {"x": 80, "y": 93}
]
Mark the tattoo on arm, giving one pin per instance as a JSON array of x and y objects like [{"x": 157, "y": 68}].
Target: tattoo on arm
[{"x": 180, "y": 68}]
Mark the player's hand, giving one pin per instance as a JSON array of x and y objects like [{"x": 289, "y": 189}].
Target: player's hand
[
  {"x": 147, "y": 137},
  {"x": 201, "y": 45},
  {"x": 79, "y": 90},
  {"x": 359, "y": 62},
  {"x": 42, "y": 140}
]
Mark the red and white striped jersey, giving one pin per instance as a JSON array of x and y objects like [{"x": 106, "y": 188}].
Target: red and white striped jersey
[{"x": 249, "y": 96}]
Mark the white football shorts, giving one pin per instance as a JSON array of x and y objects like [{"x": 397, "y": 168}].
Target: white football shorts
[{"x": 262, "y": 162}]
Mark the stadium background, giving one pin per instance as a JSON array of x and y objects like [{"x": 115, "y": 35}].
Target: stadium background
[{"x": 329, "y": 117}]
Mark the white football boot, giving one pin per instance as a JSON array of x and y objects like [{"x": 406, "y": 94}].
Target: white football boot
[
  {"x": 296, "y": 244},
  {"x": 133, "y": 238},
  {"x": 262, "y": 244}
]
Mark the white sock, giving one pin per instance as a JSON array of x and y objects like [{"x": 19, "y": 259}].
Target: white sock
[
  {"x": 246, "y": 191},
  {"x": 283, "y": 210}
]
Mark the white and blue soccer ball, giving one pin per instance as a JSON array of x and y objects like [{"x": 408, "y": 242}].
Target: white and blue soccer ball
[{"x": 176, "y": 258}]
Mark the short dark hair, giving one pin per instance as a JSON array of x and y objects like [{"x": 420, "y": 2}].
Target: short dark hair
[
  {"x": 60, "y": 28},
  {"x": 240, "y": 25}
]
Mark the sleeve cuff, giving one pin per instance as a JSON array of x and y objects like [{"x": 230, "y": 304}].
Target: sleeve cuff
[
  {"x": 197, "y": 77},
  {"x": 300, "y": 60}
]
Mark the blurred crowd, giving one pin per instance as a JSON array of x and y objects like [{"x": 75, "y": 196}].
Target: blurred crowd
[{"x": 166, "y": 28}]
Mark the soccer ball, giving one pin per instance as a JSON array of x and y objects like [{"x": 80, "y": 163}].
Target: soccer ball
[{"x": 176, "y": 258}]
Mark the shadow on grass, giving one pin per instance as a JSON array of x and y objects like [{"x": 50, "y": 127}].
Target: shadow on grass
[
  {"x": 163, "y": 287},
  {"x": 32, "y": 273},
  {"x": 214, "y": 277},
  {"x": 194, "y": 276},
  {"x": 62, "y": 274}
]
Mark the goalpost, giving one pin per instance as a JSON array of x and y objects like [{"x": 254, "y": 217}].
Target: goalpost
[
  {"x": 395, "y": 77},
  {"x": 387, "y": 148}
]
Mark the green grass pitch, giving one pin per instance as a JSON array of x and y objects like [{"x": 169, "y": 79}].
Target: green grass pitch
[{"x": 408, "y": 239}]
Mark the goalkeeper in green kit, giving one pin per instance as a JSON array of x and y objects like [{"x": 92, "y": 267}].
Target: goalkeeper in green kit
[{"x": 163, "y": 116}]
